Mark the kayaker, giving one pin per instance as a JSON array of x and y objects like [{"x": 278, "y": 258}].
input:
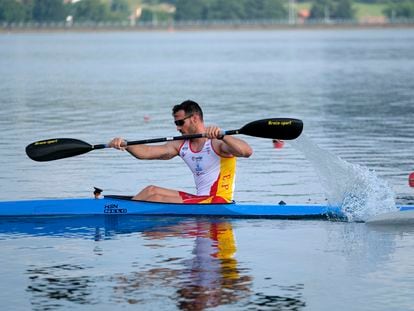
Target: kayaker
[{"x": 212, "y": 159}]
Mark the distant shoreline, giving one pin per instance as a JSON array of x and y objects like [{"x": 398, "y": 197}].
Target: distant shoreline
[{"x": 200, "y": 27}]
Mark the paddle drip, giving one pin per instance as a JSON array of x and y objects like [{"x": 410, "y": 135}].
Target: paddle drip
[{"x": 359, "y": 191}]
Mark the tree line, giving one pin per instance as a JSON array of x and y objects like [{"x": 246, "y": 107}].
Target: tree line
[
  {"x": 230, "y": 9},
  {"x": 58, "y": 10},
  {"x": 185, "y": 10}
]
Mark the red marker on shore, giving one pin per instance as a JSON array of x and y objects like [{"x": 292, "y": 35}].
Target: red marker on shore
[{"x": 411, "y": 179}]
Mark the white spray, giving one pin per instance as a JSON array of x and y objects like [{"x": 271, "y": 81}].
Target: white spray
[{"x": 358, "y": 190}]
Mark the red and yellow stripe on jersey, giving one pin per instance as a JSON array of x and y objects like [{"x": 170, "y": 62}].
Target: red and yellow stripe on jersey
[{"x": 214, "y": 175}]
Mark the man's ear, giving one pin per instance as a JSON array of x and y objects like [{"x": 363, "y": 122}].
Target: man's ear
[{"x": 196, "y": 119}]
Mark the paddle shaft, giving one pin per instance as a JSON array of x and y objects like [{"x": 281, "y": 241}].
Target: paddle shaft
[{"x": 164, "y": 139}]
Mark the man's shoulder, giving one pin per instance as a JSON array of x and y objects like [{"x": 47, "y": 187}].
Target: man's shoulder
[{"x": 176, "y": 144}]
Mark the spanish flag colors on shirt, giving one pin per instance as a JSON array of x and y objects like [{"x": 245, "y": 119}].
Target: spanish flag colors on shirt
[{"x": 214, "y": 175}]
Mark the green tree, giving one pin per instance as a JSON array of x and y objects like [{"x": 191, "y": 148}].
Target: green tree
[
  {"x": 90, "y": 11},
  {"x": 225, "y": 10},
  {"x": 191, "y": 10},
  {"x": 120, "y": 10},
  {"x": 265, "y": 9},
  {"x": 372, "y": 1},
  {"x": 334, "y": 9},
  {"x": 403, "y": 9},
  {"x": 11, "y": 11},
  {"x": 229, "y": 9},
  {"x": 48, "y": 11},
  {"x": 344, "y": 10},
  {"x": 28, "y": 8},
  {"x": 150, "y": 15},
  {"x": 173, "y": 2},
  {"x": 321, "y": 9}
]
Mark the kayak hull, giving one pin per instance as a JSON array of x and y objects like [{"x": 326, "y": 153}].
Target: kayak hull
[{"x": 118, "y": 206}]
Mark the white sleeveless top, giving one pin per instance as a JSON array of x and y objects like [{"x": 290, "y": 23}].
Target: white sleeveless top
[{"x": 213, "y": 175}]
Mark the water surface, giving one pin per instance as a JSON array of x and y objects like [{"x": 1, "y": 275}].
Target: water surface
[{"x": 353, "y": 90}]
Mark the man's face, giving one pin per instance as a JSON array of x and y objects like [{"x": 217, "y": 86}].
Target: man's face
[{"x": 183, "y": 122}]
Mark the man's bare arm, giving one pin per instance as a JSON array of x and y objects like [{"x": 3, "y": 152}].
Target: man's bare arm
[
  {"x": 158, "y": 152},
  {"x": 229, "y": 145},
  {"x": 145, "y": 152},
  {"x": 235, "y": 146}
]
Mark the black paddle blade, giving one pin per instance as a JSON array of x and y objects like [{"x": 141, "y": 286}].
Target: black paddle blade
[
  {"x": 275, "y": 128},
  {"x": 56, "y": 148}
]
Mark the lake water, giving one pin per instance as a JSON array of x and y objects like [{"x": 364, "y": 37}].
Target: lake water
[{"x": 353, "y": 89}]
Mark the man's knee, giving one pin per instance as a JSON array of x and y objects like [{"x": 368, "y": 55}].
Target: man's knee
[
  {"x": 150, "y": 190},
  {"x": 156, "y": 198}
]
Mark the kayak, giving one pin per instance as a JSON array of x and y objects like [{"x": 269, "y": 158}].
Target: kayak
[
  {"x": 118, "y": 205},
  {"x": 123, "y": 205}
]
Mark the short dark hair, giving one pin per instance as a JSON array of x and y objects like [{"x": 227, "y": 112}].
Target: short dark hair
[{"x": 189, "y": 107}]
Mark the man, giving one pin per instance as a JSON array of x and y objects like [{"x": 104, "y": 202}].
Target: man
[{"x": 212, "y": 159}]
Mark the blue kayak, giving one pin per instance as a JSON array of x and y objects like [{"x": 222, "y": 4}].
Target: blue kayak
[
  {"x": 123, "y": 205},
  {"x": 118, "y": 205}
]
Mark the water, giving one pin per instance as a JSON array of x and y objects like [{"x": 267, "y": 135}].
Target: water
[
  {"x": 358, "y": 190},
  {"x": 353, "y": 90},
  {"x": 95, "y": 263}
]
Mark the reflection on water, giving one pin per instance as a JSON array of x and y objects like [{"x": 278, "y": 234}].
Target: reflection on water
[
  {"x": 272, "y": 302},
  {"x": 51, "y": 287},
  {"x": 210, "y": 276},
  {"x": 197, "y": 264},
  {"x": 213, "y": 273},
  {"x": 378, "y": 260},
  {"x": 359, "y": 244}
]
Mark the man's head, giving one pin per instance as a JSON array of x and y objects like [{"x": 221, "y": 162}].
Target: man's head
[
  {"x": 189, "y": 107},
  {"x": 188, "y": 117}
]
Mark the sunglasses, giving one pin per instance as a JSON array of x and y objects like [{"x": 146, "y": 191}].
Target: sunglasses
[{"x": 182, "y": 121}]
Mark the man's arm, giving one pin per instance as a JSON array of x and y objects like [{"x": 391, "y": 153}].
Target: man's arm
[
  {"x": 228, "y": 145},
  {"x": 235, "y": 146},
  {"x": 145, "y": 152}
]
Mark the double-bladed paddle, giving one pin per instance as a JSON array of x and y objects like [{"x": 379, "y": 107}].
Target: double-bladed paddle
[{"x": 59, "y": 148}]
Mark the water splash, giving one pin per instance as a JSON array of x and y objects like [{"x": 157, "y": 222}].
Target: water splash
[{"x": 358, "y": 190}]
